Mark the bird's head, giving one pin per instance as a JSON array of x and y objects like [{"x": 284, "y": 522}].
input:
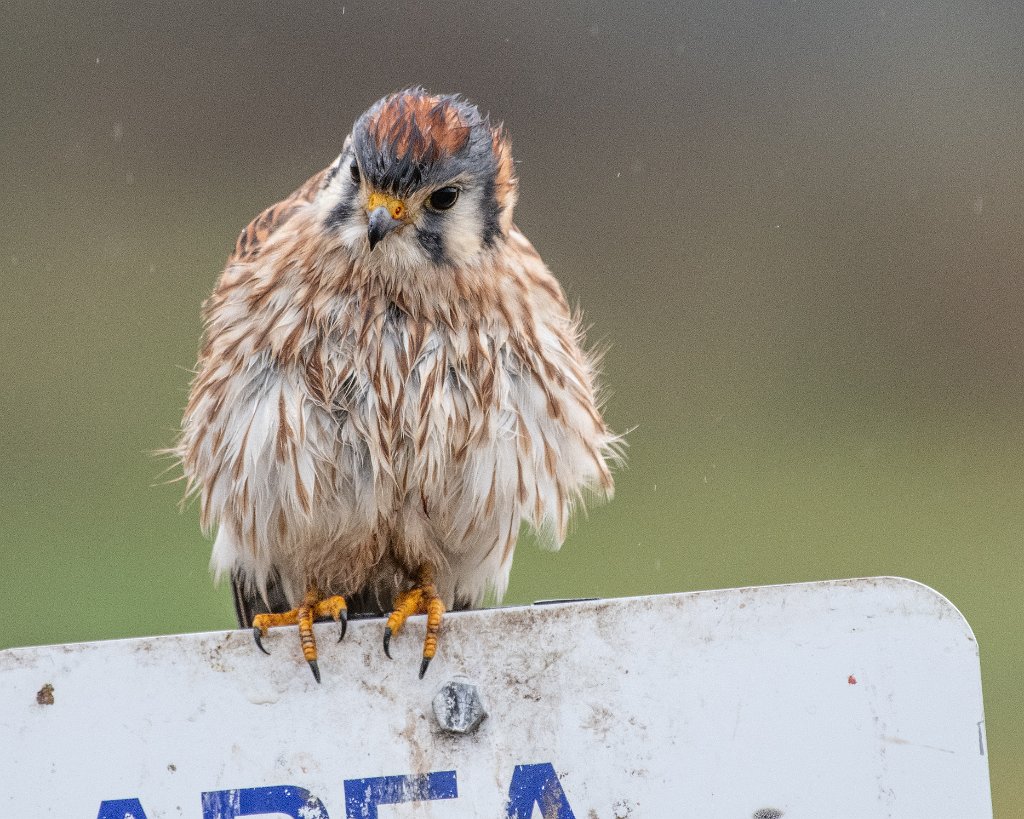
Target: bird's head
[{"x": 423, "y": 180}]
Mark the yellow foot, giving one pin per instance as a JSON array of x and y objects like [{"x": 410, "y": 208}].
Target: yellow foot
[
  {"x": 420, "y": 599},
  {"x": 314, "y": 607}
]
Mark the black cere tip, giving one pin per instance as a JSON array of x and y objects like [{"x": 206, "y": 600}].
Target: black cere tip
[
  {"x": 423, "y": 666},
  {"x": 315, "y": 669},
  {"x": 257, "y": 635},
  {"x": 387, "y": 641}
]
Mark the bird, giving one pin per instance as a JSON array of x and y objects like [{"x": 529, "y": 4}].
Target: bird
[{"x": 390, "y": 383}]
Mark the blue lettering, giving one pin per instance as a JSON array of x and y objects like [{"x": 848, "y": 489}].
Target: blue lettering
[
  {"x": 285, "y": 799},
  {"x": 121, "y": 809},
  {"x": 531, "y": 786},
  {"x": 362, "y": 796},
  {"x": 537, "y": 785}
]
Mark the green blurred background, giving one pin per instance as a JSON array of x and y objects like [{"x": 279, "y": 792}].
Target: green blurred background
[{"x": 798, "y": 225}]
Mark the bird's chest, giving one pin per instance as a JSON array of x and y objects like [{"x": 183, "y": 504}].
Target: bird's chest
[{"x": 413, "y": 399}]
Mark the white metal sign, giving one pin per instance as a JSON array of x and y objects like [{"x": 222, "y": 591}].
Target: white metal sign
[{"x": 854, "y": 698}]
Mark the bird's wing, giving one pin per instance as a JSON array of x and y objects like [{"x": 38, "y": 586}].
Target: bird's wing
[
  {"x": 248, "y": 601},
  {"x": 256, "y": 233}
]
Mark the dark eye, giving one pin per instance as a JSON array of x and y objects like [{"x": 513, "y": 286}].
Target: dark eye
[
  {"x": 354, "y": 168},
  {"x": 444, "y": 198}
]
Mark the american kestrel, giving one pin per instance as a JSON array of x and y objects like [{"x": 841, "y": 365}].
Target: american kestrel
[{"x": 390, "y": 382}]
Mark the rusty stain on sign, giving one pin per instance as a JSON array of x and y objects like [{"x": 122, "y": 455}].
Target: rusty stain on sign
[{"x": 44, "y": 696}]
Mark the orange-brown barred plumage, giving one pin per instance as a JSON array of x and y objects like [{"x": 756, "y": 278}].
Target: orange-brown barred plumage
[{"x": 259, "y": 229}]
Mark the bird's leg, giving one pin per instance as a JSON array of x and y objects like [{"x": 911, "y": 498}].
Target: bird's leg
[
  {"x": 420, "y": 599},
  {"x": 313, "y": 607}
]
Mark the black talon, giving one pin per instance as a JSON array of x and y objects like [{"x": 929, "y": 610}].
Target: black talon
[
  {"x": 257, "y": 636},
  {"x": 387, "y": 641},
  {"x": 343, "y": 619},
  {"x": 423, "y": 666},
  {"x": 315, "y": 669}
]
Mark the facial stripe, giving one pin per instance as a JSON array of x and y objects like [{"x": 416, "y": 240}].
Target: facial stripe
[
  {"x": 489, "y": 213},
  {"x": 341, "y": 213},
  {"x": 431, "y": 241},
  {"x": 346, "y": 206}
]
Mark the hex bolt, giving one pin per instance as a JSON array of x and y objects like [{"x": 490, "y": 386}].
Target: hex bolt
[{"x": 458, "y": 707}]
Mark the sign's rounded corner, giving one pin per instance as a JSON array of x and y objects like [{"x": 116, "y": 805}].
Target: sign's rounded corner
[{"x": 945, "y": 608}]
